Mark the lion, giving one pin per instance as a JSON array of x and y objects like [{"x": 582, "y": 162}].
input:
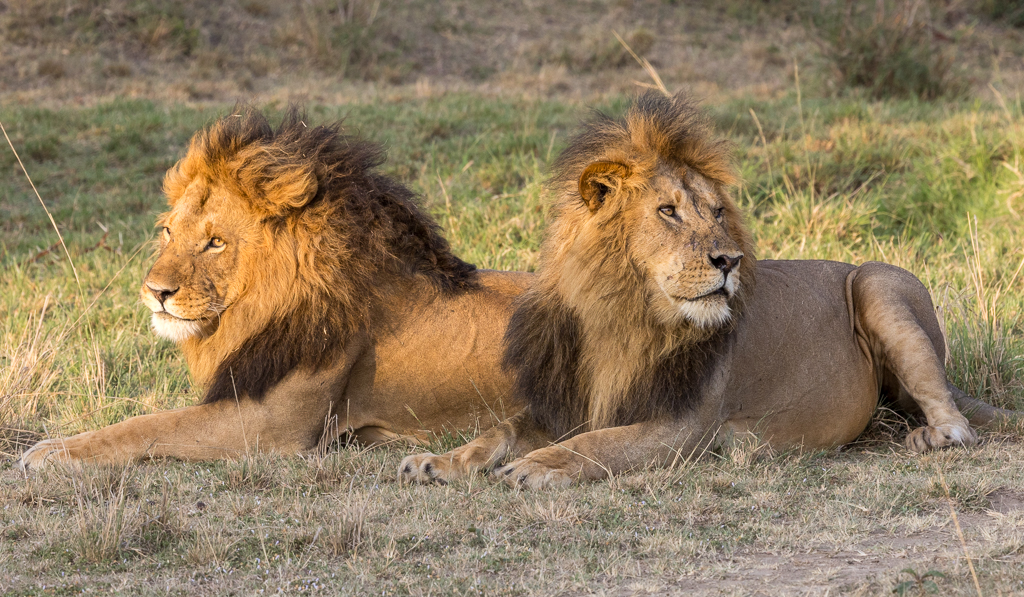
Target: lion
[
  {"x": 311, "y": 297},
  {"x": 652, "y": 333}
]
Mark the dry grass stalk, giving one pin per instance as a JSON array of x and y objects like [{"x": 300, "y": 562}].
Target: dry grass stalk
[
  {"x": 210, "y": 547},
  {"x": 29, "y": 372},
  {"x": 651, "y": 72},
  {"x": 959, "y": 532},
  {"x": 48, "y": 214},
  {"x": 252, "y": 472},
  {"x": 551, "y": 511},
  {"x": 346, "y": 533}
]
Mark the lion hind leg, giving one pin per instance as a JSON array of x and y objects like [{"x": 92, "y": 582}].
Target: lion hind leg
[
  {"x": 376, "y": 436},
  {"x": 895, "y": 317}
]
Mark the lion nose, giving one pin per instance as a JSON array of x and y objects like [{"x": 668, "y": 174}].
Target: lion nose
[
  {"x": 162, "y": 293},
  {"x": 725, "y": 263}
]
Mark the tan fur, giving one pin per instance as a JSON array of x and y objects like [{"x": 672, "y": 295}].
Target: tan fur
[
  {"x": 800, "y": 360},
  {"x": 310, "y": 297}
]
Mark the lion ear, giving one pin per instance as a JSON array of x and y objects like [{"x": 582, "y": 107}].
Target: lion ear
[
  {"x": 276, "y": 186},
  {"x": 290, "y": 187},
  {"x": 601, "y": 180}
]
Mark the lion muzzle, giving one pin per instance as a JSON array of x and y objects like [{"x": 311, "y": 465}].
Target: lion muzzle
[
  {"x": 724, "y": 262},
  {"x": 160, "y": 292}
]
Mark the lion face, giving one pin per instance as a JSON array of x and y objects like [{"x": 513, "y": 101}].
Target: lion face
[
  {"x": 198, "y": 273},
  {"x": 677, "y": 232},
  {"x": 691, "y": 262}
]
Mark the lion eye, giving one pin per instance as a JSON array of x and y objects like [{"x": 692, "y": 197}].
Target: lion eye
[
  {"x": 167, "y": 233},
  {"x": 719, "y": 212},
  {"x": 215, "y": 243},
  {"x": 667, "y": 210}
]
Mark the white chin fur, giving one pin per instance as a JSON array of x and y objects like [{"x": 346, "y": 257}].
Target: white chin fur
[
  {"x": 706, "y": 313},
  {"x": 175, "y": 330},
  {"x": 711, "y": 312}
]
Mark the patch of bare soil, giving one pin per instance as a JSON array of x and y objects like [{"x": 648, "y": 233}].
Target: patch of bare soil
[
  {"x": 1005, "y": 501},
  {"x": 872, "y": 565}
]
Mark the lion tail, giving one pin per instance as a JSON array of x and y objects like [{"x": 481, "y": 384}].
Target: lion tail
[{"x": 982, "y": 414}]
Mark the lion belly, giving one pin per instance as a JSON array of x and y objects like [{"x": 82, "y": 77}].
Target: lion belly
[{"x": 798, "y": 374}]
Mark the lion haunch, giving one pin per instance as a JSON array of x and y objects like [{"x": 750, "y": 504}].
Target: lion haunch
[
  {"x": 311, "y": 296},
  {"x": 652, "y": 332}
]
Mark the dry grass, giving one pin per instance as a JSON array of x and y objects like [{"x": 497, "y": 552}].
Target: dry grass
[
  {"x": 102, "y": 522},
  {"x": 850, "y": 520}
]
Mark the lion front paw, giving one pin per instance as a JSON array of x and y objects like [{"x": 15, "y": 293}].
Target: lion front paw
[
  {"x": 533, "y": 474},
  {"x": 928, "y": 437},
  {"x": 46, "y": 452},
  {"x": 427, "y": 468}
]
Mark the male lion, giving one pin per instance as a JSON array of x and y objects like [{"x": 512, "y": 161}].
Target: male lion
[
  {"x": 644, "y": 338},
  {"x": 310, "y": 296}
]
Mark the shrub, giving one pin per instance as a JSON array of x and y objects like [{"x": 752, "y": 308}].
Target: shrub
[
  {"x": 1011, "y": 11},
  {"x": 888, "y": 47}
]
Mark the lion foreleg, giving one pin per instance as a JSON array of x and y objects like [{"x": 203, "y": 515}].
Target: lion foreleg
[
  {"x": 515, "y": 436},
  {"x": 895, "y": 316},
  {"x": 222, "y": 429},
  {"x": 189, "y": 433},
  {"x": 598, "y": 454}
]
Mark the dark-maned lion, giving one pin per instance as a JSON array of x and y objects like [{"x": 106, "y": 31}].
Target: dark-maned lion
[
  {"x": 645, "y": 339},
  {"x": 305, "y": 289}
]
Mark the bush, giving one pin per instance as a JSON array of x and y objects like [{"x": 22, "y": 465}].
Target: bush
[
  {"x": 889, "y": 48},
  {"x": 1011, "y": 11}
]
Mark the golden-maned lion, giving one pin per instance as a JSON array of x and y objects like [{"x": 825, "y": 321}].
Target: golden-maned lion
[
  {"x": 311, "y": 296},
  {"x": 645, "y": 339}
]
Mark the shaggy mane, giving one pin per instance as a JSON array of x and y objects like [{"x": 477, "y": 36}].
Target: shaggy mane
[
  {"x": 584, "y": 350},
  {"x": 338, "y": 237}
]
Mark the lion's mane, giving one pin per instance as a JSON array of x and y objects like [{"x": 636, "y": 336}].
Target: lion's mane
[
  {"x": 583, "y": 347},
  {"x": 337, "y": 237}
]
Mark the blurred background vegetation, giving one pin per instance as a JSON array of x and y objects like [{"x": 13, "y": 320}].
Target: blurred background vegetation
[{"x": 186, "y": 49}]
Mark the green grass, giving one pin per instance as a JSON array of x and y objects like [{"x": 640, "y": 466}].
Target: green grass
[{"x": 931, "y": 187}]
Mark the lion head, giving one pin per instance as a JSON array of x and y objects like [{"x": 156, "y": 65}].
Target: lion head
[
  {"x": 279, "y": 245},
  {"x": 644, "y": 267}
]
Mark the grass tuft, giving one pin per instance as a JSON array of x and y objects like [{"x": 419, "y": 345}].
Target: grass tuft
[
  {"x": 253, "y": 472},
  {"x": 103, "y": 522},
  {"x": 347, "y": 532},
  {"x": 986, "y": 354},
  {"x": 210, "y": 548}
]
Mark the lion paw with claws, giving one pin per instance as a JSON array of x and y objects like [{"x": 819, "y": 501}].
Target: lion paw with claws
[
  {"x": 45, "y": 453},
  {"x": 928, "y": 438},
  {"x": 545, "y": 468},
  {"x": 427, "y": 468}
]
